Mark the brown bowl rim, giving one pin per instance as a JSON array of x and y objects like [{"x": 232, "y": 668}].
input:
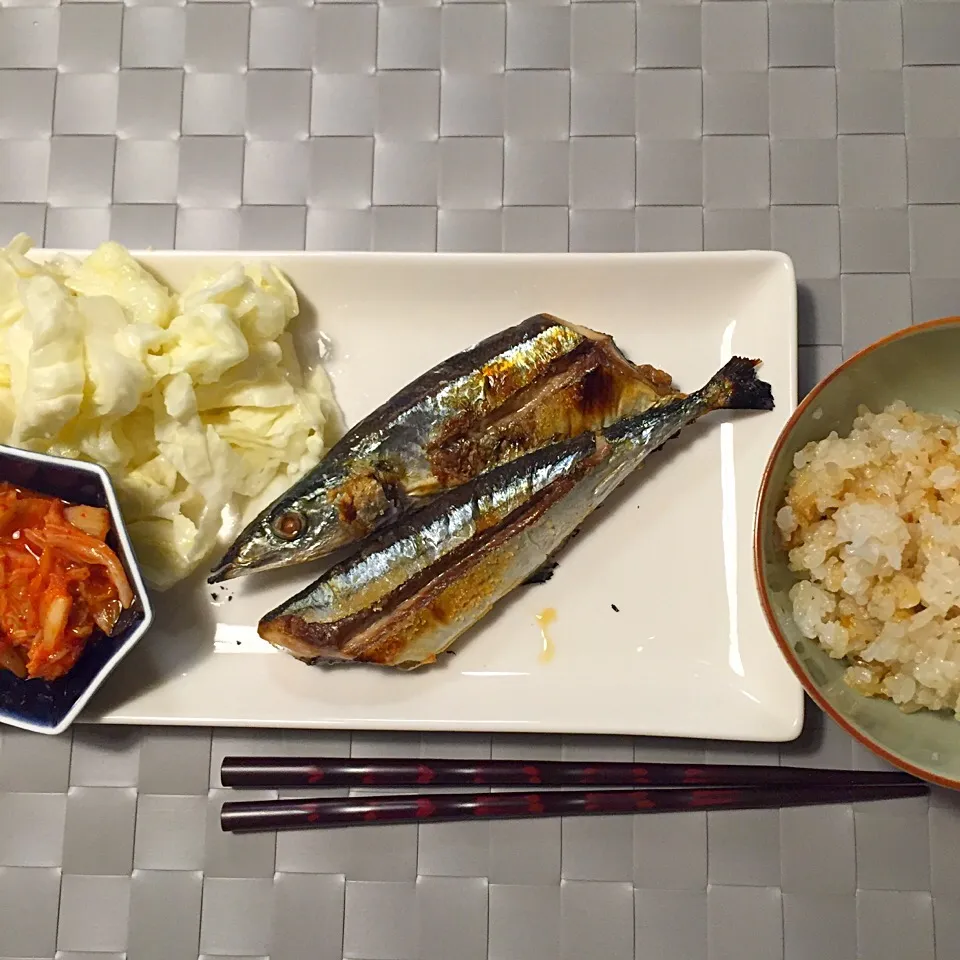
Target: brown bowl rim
[{"x": 788, "y": 654}]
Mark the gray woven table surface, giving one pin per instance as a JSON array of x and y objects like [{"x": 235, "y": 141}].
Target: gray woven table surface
[{"x": 830, "y": 131}]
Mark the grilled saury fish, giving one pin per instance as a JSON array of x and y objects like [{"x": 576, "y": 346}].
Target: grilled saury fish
[
  {"x": 414, "y": 588},
  {"x": 531, "y": 385}
]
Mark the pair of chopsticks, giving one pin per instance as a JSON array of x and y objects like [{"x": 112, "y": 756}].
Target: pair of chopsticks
[{"x": 609, "y": 788}]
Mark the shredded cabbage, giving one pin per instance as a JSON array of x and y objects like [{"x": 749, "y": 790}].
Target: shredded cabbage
[{"x": 195, "y": 403}]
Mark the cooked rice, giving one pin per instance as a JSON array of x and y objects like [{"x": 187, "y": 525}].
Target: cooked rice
[{"x": 872, "y": 523}]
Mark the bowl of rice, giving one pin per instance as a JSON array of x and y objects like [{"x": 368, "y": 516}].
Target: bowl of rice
[{"x": 857, "y": 547}]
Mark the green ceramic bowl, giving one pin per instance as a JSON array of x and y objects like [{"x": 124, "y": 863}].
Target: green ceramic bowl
[{"x": 918, "y": 365}]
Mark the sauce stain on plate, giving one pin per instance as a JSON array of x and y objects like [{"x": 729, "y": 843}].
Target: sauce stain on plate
[{"x": 544, "y": 618}]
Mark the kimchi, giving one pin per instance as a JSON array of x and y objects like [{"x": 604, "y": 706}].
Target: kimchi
[{"x": 60, "y": 583}]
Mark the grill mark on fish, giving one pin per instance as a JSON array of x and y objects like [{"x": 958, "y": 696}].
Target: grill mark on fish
[
  {"x": 466, "y": 429},
  {"x": 585, "y": 390},
  {"x": 497, "y": 373},
  {"x": 406, "y": 596},
  {"x": 524, "y": 388}
]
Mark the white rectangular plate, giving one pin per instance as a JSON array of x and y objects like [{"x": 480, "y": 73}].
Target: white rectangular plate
[{"x": 688, "y": 654}]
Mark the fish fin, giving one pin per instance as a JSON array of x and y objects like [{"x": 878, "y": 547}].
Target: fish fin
[
  {"x": 542, "y": 574},
  {"x": 736, "y": 386}
]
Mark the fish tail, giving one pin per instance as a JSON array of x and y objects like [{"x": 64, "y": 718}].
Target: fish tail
[{"x": 736, "y": 386}]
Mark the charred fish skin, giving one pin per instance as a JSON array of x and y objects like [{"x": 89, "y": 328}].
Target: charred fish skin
[
  {"x": 413, "y": 590},
  {"x": 519, "y": 390}
]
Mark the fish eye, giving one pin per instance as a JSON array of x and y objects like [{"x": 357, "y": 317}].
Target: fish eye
[{"x": 289, "y": 524}]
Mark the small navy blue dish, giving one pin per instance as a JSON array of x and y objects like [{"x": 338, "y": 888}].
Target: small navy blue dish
[{"x": 51, "y": 706}]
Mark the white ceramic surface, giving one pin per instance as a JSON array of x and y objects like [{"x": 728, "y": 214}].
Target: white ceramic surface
[{"x": 688, "y": 653}]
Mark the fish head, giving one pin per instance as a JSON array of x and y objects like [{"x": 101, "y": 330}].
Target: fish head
[
  {"x": 288, "y": 532},
  {"x": 310, "y": 522}
]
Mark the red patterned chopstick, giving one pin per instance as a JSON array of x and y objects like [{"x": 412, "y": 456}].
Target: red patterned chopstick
[
  {"x": 273, "y": 772},
  {"x": 249, "y": 816}
]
